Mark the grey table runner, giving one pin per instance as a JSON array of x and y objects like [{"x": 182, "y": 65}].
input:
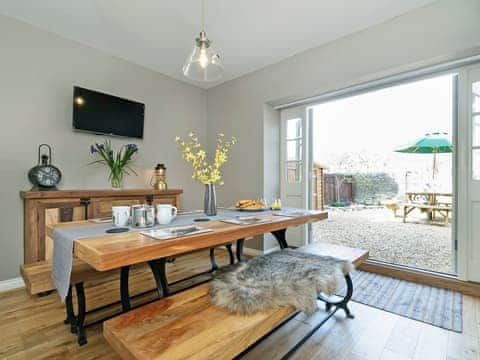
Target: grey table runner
[{"x": 63, "y": 239}]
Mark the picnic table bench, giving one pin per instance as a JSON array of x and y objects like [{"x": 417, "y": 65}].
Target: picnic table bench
[{"x": 429, "y": 202}]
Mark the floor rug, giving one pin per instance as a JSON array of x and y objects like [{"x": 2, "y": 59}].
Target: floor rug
[{"x": 435, "y": 306}]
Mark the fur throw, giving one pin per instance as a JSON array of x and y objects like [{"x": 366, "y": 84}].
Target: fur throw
[{"x": 285, "y": 277}]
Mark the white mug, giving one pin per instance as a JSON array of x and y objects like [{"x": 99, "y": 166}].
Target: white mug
[
  {"x": 166, "y": 213},
  {"x": 120, "y": 215}
]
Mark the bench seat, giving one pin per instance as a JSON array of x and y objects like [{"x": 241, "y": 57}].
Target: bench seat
[
  {"x": 427, "y": 206},
  {"x": 188, "y": 325},
  {"x": 37, "y": 276}
]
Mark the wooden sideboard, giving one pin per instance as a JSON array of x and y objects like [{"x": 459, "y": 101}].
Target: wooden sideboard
[{"x": 42, "y": 208}]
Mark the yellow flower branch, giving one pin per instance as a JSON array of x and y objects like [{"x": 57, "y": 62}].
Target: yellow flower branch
[{"x": 203, "y": 171}]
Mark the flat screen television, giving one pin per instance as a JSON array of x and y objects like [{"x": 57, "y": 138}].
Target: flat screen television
[{"x": 100, "y": 113}]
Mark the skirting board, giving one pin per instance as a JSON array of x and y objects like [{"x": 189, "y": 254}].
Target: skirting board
[
  {"x": 10, "y": 284},
  {"x": 422, "y": 277}
]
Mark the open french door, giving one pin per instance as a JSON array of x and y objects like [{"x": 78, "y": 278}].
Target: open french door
[
  {"x": 295, "y": 166},
  {"x": 469, "y": 175}
]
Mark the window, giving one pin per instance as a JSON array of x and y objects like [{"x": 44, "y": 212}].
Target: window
[{"x": 294, "y": 149}]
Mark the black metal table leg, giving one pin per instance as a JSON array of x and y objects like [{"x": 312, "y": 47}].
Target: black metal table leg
[
  {"x": 280, "y": 235},
  {"x": 124, "y": 292},
  {"x": 70, "y": 320},
  {"x": 230, "y": 254},
  {"x": 81, "y": 338},
  {"x": 158, "y": 269},
  {"x": 212, "y": 259},
  {"x": 240, "y": 244}
]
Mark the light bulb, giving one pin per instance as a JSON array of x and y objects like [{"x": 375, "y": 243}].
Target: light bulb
[
  {"x": 203, "y": 58},
  {"x": 203, "y": 64}
]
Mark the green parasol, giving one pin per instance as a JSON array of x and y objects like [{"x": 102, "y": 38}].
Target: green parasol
[{"x": 433, "y": 143}]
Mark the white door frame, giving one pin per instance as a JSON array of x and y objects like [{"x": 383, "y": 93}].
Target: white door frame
[
  {"x": 292, "y": 193},
  {"x": 460, "y": 239},
  {"x": 467, "y": 260},
  {"x": 461, "y": 211},
  {"x": 468, "y": 188}
]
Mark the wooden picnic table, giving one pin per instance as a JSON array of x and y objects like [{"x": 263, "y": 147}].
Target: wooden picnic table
[{"x": 429, "y": 202}]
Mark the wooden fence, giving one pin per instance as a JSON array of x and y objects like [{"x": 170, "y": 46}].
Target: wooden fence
[{"x": 337, "y": 189}]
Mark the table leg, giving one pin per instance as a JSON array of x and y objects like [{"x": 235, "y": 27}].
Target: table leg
[
  {"x": 70, "y": 320},
  {"x": 124, "y": 292},
  {"x": 158, "y": 269},
  {"x": 212, "y": 259},
  {"x": 280, "y": 235},
  {"x": 240, "y": 243},
  {"x": 230, "y": 254},
  {"x": 81, "y": 338},
  {"x": 430, "y": 215}
]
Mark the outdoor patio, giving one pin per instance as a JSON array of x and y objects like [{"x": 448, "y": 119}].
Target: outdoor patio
[{"x": 417, "y": 244}]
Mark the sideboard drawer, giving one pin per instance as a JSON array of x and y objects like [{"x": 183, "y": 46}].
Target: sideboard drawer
[{"x": 103, "y": 207}]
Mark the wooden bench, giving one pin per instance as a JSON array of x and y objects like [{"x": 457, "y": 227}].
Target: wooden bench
[
  {"x": 38, "y": 281},
  {"x": 37, "y": 276},
  {"x": 188, "y": 325}
]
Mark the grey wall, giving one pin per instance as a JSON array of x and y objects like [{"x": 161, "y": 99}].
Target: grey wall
[
  {"x": 37, "y": 73},
  {"x": 435, "y": 33}
]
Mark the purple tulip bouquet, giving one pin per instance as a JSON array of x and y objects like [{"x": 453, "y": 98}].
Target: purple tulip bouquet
[{"x": 118, "y": 162}]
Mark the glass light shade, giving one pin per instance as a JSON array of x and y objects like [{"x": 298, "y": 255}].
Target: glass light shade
[{"x": 203, "y": 64}]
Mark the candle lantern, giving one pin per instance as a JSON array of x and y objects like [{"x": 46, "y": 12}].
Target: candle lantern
[{"x": 159, "y": 177}]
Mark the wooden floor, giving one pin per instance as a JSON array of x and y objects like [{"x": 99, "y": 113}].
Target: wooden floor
[{"x": 32, "y": 327}]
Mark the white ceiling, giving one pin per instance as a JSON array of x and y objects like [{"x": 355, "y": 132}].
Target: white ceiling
[{"x": 248, "y": 34}]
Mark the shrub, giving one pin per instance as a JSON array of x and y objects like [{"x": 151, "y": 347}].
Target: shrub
[{"x": 370, "y": 188}]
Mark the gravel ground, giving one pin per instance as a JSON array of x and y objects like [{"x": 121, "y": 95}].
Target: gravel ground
[{"x": 388, "y": 239}]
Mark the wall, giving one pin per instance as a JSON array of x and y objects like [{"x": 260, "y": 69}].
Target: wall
[
  {"x": 37, "y": 73},
  {"x": 438, "y": 32},
  {"x": 39, "y": 69}
]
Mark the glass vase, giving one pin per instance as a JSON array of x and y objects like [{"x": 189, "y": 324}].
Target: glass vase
[
  {"x": 210, "y": 200},
  {"x": 116, "y": 181}
]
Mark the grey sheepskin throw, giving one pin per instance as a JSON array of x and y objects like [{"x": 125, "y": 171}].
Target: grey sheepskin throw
[{"x": 285, "y": 277}]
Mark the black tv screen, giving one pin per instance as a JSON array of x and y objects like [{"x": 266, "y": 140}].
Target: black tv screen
[{"x": 101, "y": 113}]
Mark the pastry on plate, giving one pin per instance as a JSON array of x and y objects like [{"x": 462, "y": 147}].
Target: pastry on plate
[{"x": 250, "y": 205}]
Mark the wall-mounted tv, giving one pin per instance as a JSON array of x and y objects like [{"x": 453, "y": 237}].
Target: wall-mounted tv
[{"x": 100, "y": 113}]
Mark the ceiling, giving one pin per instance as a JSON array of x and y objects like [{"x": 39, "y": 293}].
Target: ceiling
[{"x": 248, "y": 34}]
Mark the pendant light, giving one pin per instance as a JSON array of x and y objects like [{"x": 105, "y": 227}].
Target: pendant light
[{"x": 204, "y": 63}]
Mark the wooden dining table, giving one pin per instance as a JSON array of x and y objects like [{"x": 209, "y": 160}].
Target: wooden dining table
[
  {"x": 122, "y": 250},
  {"x": 114, "y": 251}
]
